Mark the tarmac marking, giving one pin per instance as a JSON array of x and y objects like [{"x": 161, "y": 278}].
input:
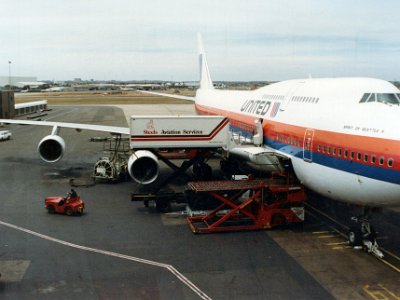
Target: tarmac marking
[
  {"x": 13, "y": 270},
  {"x": 326, "y": 236},
  {"x": 337, "y": 243},
  {"x": 170, "y": 268},
  {"x": 341, "y": 247},
  {"x": 390, "y": 292},
  {"x": 389, "y": 264},
  {"x": 321, "y": 232},
  {"x": 391, "y": 254},
  {"x": 345, "y": 236},
  {"x": 381, "y": 293}
]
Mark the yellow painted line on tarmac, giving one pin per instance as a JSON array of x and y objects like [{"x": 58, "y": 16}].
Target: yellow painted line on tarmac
[
  {"x": 326, "y": 236},
  {"x": 321, "y": 232},
  {"x": 375, "y": 294},
  {"x": 389, "y": 292},
  {"x": 338, "y": 243},
  {"x": 390, "y": 265},
  {"x": 391, "y": 254},
  {"x": 341, "y": 247}
]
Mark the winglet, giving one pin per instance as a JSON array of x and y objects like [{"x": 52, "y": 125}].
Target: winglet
[{"x": 205, "y": 78}]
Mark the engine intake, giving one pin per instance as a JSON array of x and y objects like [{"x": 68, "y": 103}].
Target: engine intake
[
  {"x": 143, "y": 167},
  {"x": 51, "y": 148}
]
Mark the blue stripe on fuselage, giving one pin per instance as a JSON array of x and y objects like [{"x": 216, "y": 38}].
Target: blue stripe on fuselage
[{"x": 345, "y": 165}]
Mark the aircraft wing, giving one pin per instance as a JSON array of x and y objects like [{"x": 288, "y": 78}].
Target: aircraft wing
[
  {"x": 262, "y": 157},
  {"x": 77, "y": 126},
  {"x": 188, "y": 98}
]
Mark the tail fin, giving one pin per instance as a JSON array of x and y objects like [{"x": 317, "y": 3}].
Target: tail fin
[{"x": 205, "y": 79}]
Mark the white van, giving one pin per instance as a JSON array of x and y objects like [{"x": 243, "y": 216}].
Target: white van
[{"x": 5, "y": 135}]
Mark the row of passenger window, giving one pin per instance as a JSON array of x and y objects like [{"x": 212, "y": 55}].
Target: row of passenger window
[
  {"x": 339, "y": 152},
  {"x": 242, "y": 126},
  {"x": 353, "y": 155},
  {"x": 273, "y": 97},
  {"x": 305, "y": 99},
  {"x": 290, "y": 140}
]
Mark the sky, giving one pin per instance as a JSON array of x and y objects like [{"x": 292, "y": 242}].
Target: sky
[{"x": 156, "y": 39}]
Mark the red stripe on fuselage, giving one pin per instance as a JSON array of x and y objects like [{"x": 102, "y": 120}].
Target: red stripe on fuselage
[{"x": 359, "y": 144}]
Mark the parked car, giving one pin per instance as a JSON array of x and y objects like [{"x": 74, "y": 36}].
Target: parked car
[{"x": 5, "y": 135}]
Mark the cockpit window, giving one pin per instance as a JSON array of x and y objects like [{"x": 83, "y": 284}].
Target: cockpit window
[
  {"x": 364, "y": 98},
  {"x": 372, "y": 98},
  {"x": 386, "y": 98}
]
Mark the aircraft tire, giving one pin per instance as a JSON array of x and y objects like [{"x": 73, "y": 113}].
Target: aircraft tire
[
  {"x": 355, "y": 237},
  {"x": 163, "y": 205}
]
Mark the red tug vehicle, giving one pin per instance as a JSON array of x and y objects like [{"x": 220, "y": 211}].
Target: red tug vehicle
[{"x": 69, "y": 205}]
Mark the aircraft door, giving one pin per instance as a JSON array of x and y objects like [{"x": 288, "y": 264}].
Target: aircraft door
[{"x": 308, "y": 145}]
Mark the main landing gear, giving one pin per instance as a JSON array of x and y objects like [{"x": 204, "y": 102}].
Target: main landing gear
[{"x": 363, "y": 235}]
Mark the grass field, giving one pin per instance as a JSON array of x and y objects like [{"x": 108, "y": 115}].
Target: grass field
[{"x": 100, "y": 98}]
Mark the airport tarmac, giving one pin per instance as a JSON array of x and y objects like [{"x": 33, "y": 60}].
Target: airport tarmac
[{"x": 121, "y": 250}]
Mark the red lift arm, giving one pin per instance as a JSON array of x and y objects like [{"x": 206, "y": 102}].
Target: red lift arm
[{"x": 264, "y": 206}]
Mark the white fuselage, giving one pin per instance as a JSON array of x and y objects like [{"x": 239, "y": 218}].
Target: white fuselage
[{"x": 340, "y": 147}]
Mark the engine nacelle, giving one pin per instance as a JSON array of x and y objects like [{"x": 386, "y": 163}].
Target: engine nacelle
[
  {"x": 51, "y": 148},
  {"x": 143, "y": 167}
]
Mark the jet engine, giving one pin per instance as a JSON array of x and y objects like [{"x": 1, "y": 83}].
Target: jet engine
[
  {"x": 51, "y": 148},
  {"x": 143, "y": 167}
]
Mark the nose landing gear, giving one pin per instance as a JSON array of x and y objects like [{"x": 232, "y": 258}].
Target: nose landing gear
[{"x": 363, "y": 236}]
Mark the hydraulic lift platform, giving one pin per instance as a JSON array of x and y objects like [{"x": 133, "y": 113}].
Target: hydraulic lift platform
[{"x": 248, "y": 205}]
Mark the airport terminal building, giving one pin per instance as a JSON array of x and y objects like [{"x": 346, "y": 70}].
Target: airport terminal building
[
  {"x": 9, "y": 110},
  {"x": 7, "y": 104},
  {"x": 14, "y": 80},
  {"x": 30, "y": 107}
]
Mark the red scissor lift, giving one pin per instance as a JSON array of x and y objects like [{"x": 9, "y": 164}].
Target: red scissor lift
[{"x": 248, "y": 205}]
